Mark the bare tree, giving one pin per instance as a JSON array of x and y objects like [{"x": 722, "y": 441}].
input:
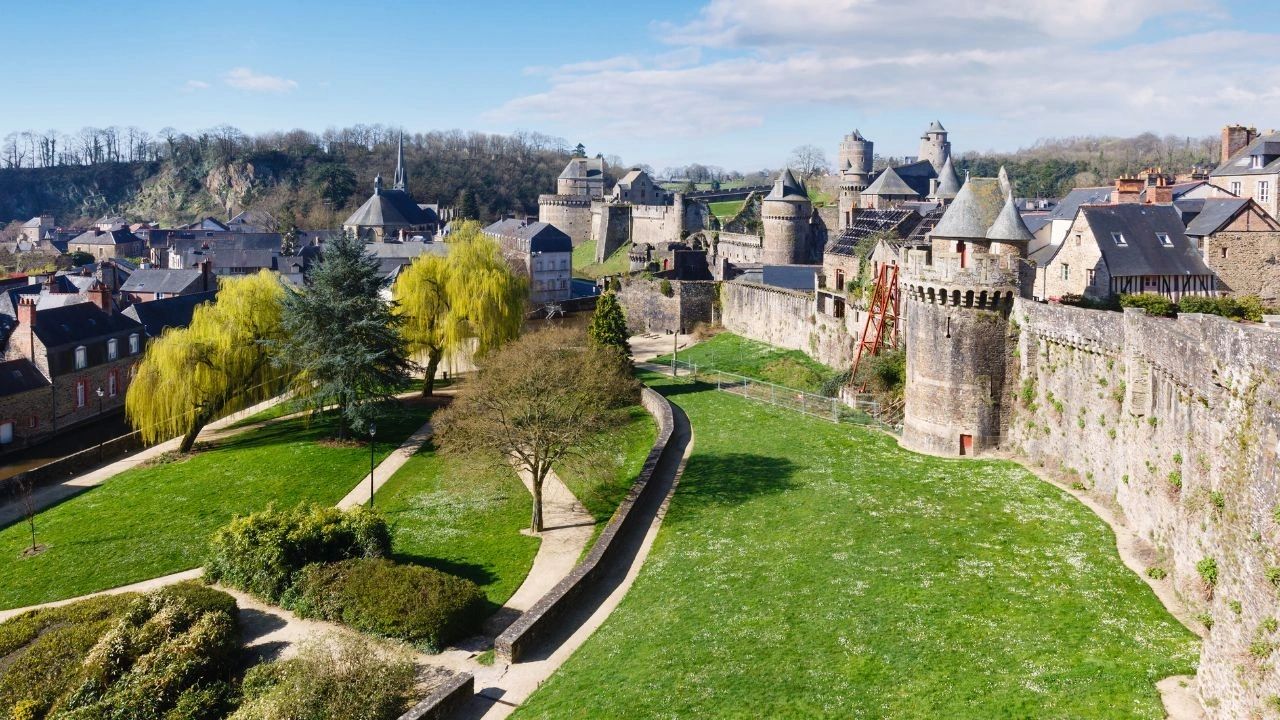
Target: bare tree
[
  {"x": 25, "y": 490},
  {"x": 809, "y": 160}
]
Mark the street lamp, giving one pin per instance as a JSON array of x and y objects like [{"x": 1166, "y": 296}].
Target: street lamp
[
  {"x": 373, "y": 430},
  {"x": 100, "y": 394}
]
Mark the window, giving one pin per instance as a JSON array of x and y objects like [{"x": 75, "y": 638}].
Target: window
[
  {"x": 537, "y": 265},
  {"x": 564, "y": 264},
  {"x": 1164, "y": 239},
  {"x": 33, "y": 421},
  {"x": 135, "y": 344},
  {"x": 113, "y": 349},
  {"x": 82, "y": 389},
  {"x": 1263, "y": 191},
  {"x": 1066, "y": 271},
  {"x": 1235, "y": 188},
  {"x": 1118, "y": 239},
  {"x": 1255, "y": 161},
  {"x": 1224, "y": 253},
  {"x": 82, "y": 358},
  {"x": 112, "y": 384},
  {"x": 1089, "y": 276}
]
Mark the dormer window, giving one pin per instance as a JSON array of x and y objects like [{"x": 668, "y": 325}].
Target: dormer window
[
  {"x": 1255, "y": 162},
  {"x": 1118, "y": 239},
  {"x": 82, "y": 358},
  {"x": 1165, "y": 240},
  {"x": 135, "y": 344},
  {"x": 113, "y": 349}
]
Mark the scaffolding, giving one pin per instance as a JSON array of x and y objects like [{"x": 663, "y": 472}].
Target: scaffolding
[{"x": 881, "y": 326}]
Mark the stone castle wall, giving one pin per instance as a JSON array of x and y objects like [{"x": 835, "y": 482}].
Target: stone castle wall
[
  {"x": 656, "y": 224},
  {"x": 1178, "y": 422},
  {"x": 569, "y": 214},
  {"x": 648, "y": 310},
  {"x": 787, "y": 318},
  {"x": 610, "y": 228},
  {"x": 1247, "y": 263}
]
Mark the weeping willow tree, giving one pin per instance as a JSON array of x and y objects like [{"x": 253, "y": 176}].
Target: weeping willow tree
[
  {"x": 220, "y": 363},
  {"x": 471, "y": 296}
]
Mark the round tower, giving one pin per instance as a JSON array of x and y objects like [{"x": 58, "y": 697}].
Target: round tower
[
  {"x": 785, "y": 214},
  {"x": 856, "y": 156},
  {"x": 934, "y": 145},
  {"x": 957, "y": 297}
]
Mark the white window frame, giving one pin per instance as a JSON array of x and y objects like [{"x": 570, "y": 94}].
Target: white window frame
[
  {"x": 113, "y": 349},
  {"x": 112, "y": 384},
  {"x": 1263, "y": 191},
  {"x": 1255, "y": 162},
  {"x": 82, "y": 391},
  {"x": 82, "y": 357},
  {"x": 1235, "y": 188},
  {"x": 135, "y": 344},
  {"x": 1066, "y": 271},
  {"x": 1164, "y": 239},
  {"x": 1118, "y": 239}
]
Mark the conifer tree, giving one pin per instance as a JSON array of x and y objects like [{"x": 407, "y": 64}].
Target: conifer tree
[
  {"x": 608, "y": 326},
  {"x": 467, "y": 207},
  {"x": 343, "y": 336}
]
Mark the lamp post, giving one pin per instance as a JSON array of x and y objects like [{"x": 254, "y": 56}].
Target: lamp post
[
  {"x": 373, "y": 430},
  {"x": 100, "y": 394}
]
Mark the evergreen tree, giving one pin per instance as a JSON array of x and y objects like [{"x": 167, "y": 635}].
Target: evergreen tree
[
  {"x": 467, "y": 207},
  {"x": 343, "y": 337},
  {"x": 580, "y": 151},
  {"x": 608, "y": 326}
]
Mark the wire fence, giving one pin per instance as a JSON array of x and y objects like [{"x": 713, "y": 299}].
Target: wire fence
[{"x": 854, "y": 408}]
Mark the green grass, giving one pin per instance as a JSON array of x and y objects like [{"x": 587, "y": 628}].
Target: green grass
[
  {"x": 806, "y": 569},
  {"x": 155, "y": 520},
  {"x": 462, "y": 520},
  {"x": 735, "y": 354},
  {"x": 585, "y": 265},
  {"x": 726, "y": 209},
  {"x": 601, "y": 477}
]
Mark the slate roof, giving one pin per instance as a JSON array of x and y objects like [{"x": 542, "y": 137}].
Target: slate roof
[
  {"x": 788, "y": 189},
  {"x": 251, "y": 221},
  {"x": 791, "y": 277},
  {"x": 917, "y": 175},
  {"x": 206, "y": 223},
  {"x": 1268, "y": 146},
  {"x": 1143, "y": 254},
  {"x": 948, "y": 182},
  {"x": 1214, "y": 214},
  {"x": 583, "y": 168},
  {"x": 163, "y": 280},
  {"x": 157, "y": 315},
  {"x": 389, "y": 208},
  {"x": 79, "y": 323},
  {"x": 974, "y": 210},
  {"x": 1035, "y": 220},
  {"x": 1067, "y": 207},
  {"x": 935, "y": 126},
  {"x": 1008, "y": 225},
  {"x": 890, "y": 183},
  {"x": 121, "y": 236},
  {"x": 19, "y": 376},
  {"x": 534, "y": 237},
  {"x": 871, "y": 223}
]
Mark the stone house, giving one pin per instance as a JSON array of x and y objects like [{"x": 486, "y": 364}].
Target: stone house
[
  {"x": 1250, "y": 166},
  {"x": 582, "y": 177},
  {"x": 1240, "y": 242},
  {"x": 105, "y": 244},
  {"x": 157, "y": 316},
  {"x": 843, "y": 257},
  {"x": 543, "y": 252},
  {"x": 1123, "y": 249},
  {"x": 149, "y": 284},
  {"x": 78, "y": 350},
  {"x": 637, "y": 188}
]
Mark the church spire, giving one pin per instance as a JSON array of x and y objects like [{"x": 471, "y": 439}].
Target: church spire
[{"x": 401, "y": 179}]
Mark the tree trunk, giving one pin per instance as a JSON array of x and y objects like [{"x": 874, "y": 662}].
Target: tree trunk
[
  {"x": 536, "y": 524},
  {"x": 189, "y": 440},
  {"x": 429, "y": 381}
]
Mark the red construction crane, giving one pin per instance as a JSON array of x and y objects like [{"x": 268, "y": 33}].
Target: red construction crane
[{"x": 882, "y": 318}]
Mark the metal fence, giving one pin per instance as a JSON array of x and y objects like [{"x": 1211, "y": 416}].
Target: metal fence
[{"x": 859, "y": 409}]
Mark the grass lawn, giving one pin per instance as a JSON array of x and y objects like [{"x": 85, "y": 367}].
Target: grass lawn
[
  {"x": 152, "y": 521},
  {"x": 601, "y": 477},
  {"x": 806, "y": 569},
  {"x": 584, "y": 261},
  {"x": 735, "y": 354},
  {"x": 462, "y": 520},
  {"x": 726, "y": 209}
]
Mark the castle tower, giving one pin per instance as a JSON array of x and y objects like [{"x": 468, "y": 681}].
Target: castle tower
[
  {"x": 856, "y": 157},
  {"x": 402, "y": 175},
  {"x": 934, "y": 145},
  {"x": 958, "y": 294},
  {"x": 786, "y": 212}
]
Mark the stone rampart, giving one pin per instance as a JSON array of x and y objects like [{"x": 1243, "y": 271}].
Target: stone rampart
[
  {"x": 648, "y": 310},
  {"x": 788, "y": 318},
  {"x": 571, "y": 214},
  {"x": 1177, "y": 422}
]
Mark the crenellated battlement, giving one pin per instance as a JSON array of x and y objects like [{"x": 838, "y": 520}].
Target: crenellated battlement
[
  {"x": 974, "y": 271},
  {"x": 581, "y": 201}
]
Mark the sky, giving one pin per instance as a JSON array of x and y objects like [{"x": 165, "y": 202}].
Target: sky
[{"x": 734, "y": 83}]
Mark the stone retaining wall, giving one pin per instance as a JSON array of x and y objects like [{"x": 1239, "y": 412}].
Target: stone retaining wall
[
  {"x": 543, "y": 618},
  {"x": 444, "y": 700},
  {"x": 1178, "y": 423}
]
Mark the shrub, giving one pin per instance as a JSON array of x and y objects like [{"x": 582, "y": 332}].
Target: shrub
[
  {"x": 1219, "y": 501},
  {"x": 1270, "y": 625},
  {"x": 1205, "y": 619},
  {"x": 1151, "y": 303},
  {"x": 1235, "y": 607},
  {"x": 1208, "y": 569},
  {"x": 167, "y": 654},
  {"x": 1156, "y": 573},
  {"x": 1273, "y": 575},
  {"x": 1175, "y": 479},
  {"x": 417, "y": 604},
  {"x": 331, "y": 678},
  {"x": 262, "y": 553},
  {"x": 665, "y": 288}
]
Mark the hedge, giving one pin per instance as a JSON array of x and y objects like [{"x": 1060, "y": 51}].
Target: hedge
[
  {"x": 417, "y": 604},
  {"x": 1248, "y": 307},
  {"x": 261, "y": 553},
  {"x": 165, "y": 655}
]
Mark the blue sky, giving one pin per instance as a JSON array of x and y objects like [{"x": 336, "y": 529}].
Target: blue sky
[{"x": 737, "y": 83}]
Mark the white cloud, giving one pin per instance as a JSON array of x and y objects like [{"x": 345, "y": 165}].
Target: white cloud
[
  {"x": 194, "y": 85},
  {"x": 242, "y": 78},
  {"x": 1038, "y": 67}
]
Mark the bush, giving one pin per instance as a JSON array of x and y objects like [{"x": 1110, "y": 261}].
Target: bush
[
  {"x": 167, "y": 654},
  {"x": 1111, "y": 302},
  {"x": 1151, "y": 303},
  {"x": 1208, "y": 569},
  {"x": 333, "y": 678},
  {"x": 665, "y": 288},
  {"x": 1156, "y": 572},
  {"x": 417, "y": 604},
  {"x": 262, "y": 553}
]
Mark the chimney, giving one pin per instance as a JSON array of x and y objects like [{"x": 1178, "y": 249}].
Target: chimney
[
  {"x": 206, "y": 268},
  {"x": 27, "y": 310},
  {"x": 1236, "y": 138},
  {"x": 1160, "y": 193},
  {"x": 99, "y": 295},
  {"x": 1127, "y": 190}
]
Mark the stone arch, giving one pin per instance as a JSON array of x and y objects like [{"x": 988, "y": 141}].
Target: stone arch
[
  {"x": 968, "y": 299},
  {"x": 955, "y": 297},
  {"x": 982, "y": 299},
  {"x": 931, "y": 297}
]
